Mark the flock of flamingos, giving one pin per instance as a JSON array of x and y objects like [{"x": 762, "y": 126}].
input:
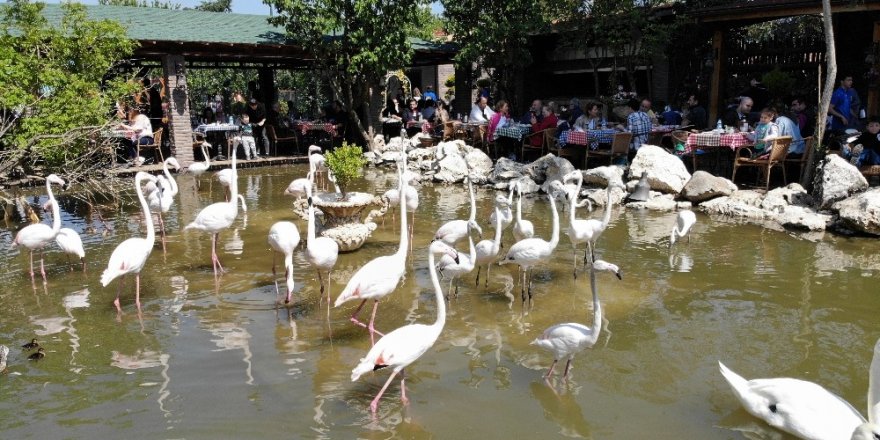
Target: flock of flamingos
[{"x": 802, "y": 408}]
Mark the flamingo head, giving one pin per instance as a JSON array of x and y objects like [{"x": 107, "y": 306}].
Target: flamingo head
[
  {"x": 602, "y": 265},
  {"x": 314, "y": 149},
  {"x": 53, "y": 178},
  {"x": 473, "y": 226},
  {"x": 501, "y": 201},
  {"x": 574, "y": 175},
  {"x": 557, "y": 188},
  {"x": 172, "y": 162},
  {"x": 439, "y": 247}
]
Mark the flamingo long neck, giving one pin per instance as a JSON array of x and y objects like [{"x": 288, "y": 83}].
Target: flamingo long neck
[
  {"x": 572, "y": 206},
  {"x": 554, "y": 237},
  {"x": 607, "y": 217},
  {"x": 151, "y": 231},
  {"x": 208, "y": 157},
  {"x": 233, "y": 186},
  {"x": 288, "y": 265},
  {"x": 597, "y": 309},
  {"x": 496, "y": 243},
  {"x": 473, "y": 216},
  {"x": 56, "y": 212},
  {"x": 518, "y": 206},
  {"x": 404, "y": 234},
  {"x": 473, "y": 250},
  {"x": 170, "y": 178},
  {"x": 311, "y": 228},
  {"x": 441, "y": 300}
]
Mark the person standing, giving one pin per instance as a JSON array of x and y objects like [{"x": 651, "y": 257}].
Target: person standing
[
  {"x": 841, "y": 106},
  {"x": 257, "y": 114}
]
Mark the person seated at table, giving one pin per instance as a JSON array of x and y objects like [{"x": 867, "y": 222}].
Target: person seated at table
[
  {"x": 429, "y": 93},
  {"x": 866, "y": 151},
  {"x": 413, "y": 118},
  {"x": 765, "y": 131},
  {"x": 391, "y": 118},
  {"x": 501, "y": 118},
  {"x": 788, "y": 127},
  {"x": 139, "y": 125},
  {"x": 670, "y": 116},
  {"x": 429, "y": 110},
  {"x": 246, "y": 138},
  {"x": 804, "y": 115},
  {"x": 591, "y": 120},
  {"x": 207, "y": 116},
  {"x": 338, "y": 117},
  {"x": 480, "y": 111},
  {"x": 638, "y": 122},
  {"x": 738, "y": 114},
  {"x": 534, "y": 110},
  {"x": 696, "y": 114},
  {"x": 417, "y": 95},
  {"x": 548, "y": 120},
  {"x": 574, "y": 110}
]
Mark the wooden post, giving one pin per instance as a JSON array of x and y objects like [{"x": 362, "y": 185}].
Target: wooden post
[
  {"x": 180, "y": 131},
  {"x": 463, "y": 86},
  {"x": 718, "y": 70},
  {"x": 873, "y": 88}
]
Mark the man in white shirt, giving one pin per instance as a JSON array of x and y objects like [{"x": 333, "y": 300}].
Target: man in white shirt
[{"x": 480, "y": 111}]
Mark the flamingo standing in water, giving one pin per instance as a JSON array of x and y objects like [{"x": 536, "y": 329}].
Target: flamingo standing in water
[
  {"x": 321, "y": 252},
  {"x": 506, "y": 213},
  {"x": 380, "y": 276},
  {"x": 218, "y": 216},
  {"x": 579, "y": 230},
  {"x": 533, "y": 251},
  {"x": 406, "y": 344},
  {"x": 463, "y": 265},
  {"x": 199, "y": 168},
  {"x": 808, "y": 410},
  {"x": 284, "y": 238},
  {"x": 453, "y": 231},
  {"x": 318, "y": 166},
  {"x": 487, "y": 250},
  {"x": 567, "y": 340},
  {"x": 299, "y": 187},
  {"x": 131, "y": 255},
  {"x": 160, "y": 201},
  {"x": 683, "y": 222},
  {"x": 68, "y": 241},
  {"x": 596, "y": 227},
  {"x": 37, "y": 236}
]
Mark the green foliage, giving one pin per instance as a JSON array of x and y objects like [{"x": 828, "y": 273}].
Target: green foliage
[
  {"x": 779, "y": 83},
  {"x": 215, "y": 6},
  {"x": 53, "y": 74},
  {"x": 426, "y": 23},
  {"x": 347, "y": 163}
]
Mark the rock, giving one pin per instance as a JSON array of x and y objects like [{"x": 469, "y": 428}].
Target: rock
[
  {"x": 778, "y": 199},
  {"x": 527, "y": 185},
  {"x": 666, "y": 172},
  {"x": 451, "y": 169},
  {"x": 378, "y": 144},
  {"x": 837, "y": 180},
  {"x": 861, "y": 212},
  {"x": 390, "y": 156},
  {"x": 506, "y": 170},
  {"x": 421, "y": 154},
  {"x": 373, "y": 157},
  {"x": 744, "y": 203},
  {"x": 537, "y": 170},
  {"x": 394, "y": 144},
  {"x": 479, "y": 165},
  {"x": 704, "y": 186},
  {"x": 801, "y": 217},
  {"x": 599, "y": 176},
  {"x": 598, "y": 196},
  {"x": 657, "y": 202},
  {"x": 556, "y": 169}
]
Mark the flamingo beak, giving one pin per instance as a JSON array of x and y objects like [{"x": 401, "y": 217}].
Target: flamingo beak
[{"x": 619, "y": 275}]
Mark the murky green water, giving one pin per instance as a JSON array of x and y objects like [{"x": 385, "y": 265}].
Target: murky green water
[{"x": 210, "y": 360}]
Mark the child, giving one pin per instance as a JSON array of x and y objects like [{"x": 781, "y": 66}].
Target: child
[
  {"x": 247, "y": 138},
  {"x": 867, "y": 147},
  {"x": 766, "y": 130}
]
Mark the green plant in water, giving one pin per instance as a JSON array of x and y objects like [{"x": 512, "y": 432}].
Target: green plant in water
[{"x": 346, "y": 163}]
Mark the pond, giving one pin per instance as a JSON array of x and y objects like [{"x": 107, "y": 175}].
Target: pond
[{"x": 221, "y": 360}]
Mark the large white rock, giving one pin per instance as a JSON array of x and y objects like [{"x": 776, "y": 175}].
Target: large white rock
[
  {"x": 598, "y": 197},
  {"x": 704, "y": 186},
  {"x": 801, "y": 217},
  {"x": 666, "y": 172},
  {"x": 861, "y": 212},
  {"x": 506, "y": 170},
  {"x": 537, "y": 170},
  {"x": 556, "y": 169},
  {"x": 452, "y": 168},
  {"x": 838, "y": 179},
  {"x": 600, "y": 176},
  {"x": 479, "y": 165},
  {"x": 778, "y": 199},
  {"x": 744, "y": 203}
]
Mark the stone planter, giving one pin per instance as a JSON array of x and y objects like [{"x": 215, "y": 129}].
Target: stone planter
[{"x": 343, "y": 219}]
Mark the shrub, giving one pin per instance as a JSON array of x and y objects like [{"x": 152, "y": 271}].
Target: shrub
[{"x": 346, "y": 163}]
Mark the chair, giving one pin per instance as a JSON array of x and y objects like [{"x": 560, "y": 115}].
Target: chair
[
  {"x": 778, "y": 150},
  {"x": 802, "y": 161},
  {"x": 569, "y": 150},
  {"x": 548, "y": 138},
  {"x": 157, "y": 144},
  {"x": 274, "y": 140},
  {"x": 448, "y": 130},
  {"x": 619, "y": 148}
]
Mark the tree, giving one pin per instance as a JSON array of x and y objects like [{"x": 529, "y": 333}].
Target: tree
[
  {"x": 52, "y": 79},
  {"x": 827, "y": 90},
  {"x": 353, "y": 42},
  {"x": 215, "y": 6}
]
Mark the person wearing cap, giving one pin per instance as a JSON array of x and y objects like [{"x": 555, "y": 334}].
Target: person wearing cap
[{"x": 257, "y": 114}]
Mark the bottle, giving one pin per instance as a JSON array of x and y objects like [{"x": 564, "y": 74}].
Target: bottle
[
  {"x": 230, "y": 119},
  {"x": 719, "y": 126},
  {"x": 604, "y": 124}
]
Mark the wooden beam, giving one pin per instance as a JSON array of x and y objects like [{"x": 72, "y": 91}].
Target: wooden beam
[
  {"x": 767, "y": 13},
  {"x": 718, "y": 69}
]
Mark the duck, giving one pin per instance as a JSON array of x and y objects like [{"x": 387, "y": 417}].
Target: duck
[
  {"x": 41, "y": 353},
  {"x": 31, "y": 345}
]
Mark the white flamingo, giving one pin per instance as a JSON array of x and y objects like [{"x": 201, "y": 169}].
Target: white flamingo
[
  {"x": 284, "y": 238},
  {"x": 463, "y": 265},
  {"x": 37, "y": 236},
  {"x": 808, "y": 410},
  {"x": 595, "y": 228},
  {"x": 131, "y": 255},
  {"x": 522, "y": 229},
  {"x": 403, "y": 346},
  {"x": 506, "y": 212},
  {"x": 199, "y": 168},
  {"x": 380, "y": 276},
  {"x": 217, "y": 217},
  {"x": 318, "y": 166},
  {"x": 393, "y": 197},
  {"x": 533, "y": 251},
  {"x": 160, "y": 201},
  {"x": 299, "y": 187},
  {"x": 224, "y": 176},
  {"x": 453, "y": 231},
  {"x": 683, "y": 222},
  {"x": 567, "y": 340},
  {"x": 579, "y": 230},
  {"x": 321, "y": 252},
  {"x": 487, "y": 250},
  {"x": 68, "y": 241}
]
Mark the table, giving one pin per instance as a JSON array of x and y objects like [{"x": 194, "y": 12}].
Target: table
[
  {"x": 225, "y": 129},
  {"x": 426, "y": 126},
  {"x": 714, "y": 139},
  {"x": 590, "y": 137},
  {"x": 513, "y": 131},
  {"x": 306, "y": 126}
]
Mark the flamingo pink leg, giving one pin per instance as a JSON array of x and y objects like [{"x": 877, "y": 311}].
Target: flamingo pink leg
[
  {"x": 161, "y": 228},
  {"x": 42, "y": 267},
  {"x": 287, "y": 298},
  {"x": 214, "y": 258},
  {"x": 32, "y": 266},
  {"x": 137, "y": 290},
  {"x": 118, "y": 292},
  {"x": 369, "y": 327},
  {"x": 375, "y": 403},
  {"x": 567, "y": 367},
  {"x": 403, "y": 388},
  {"x": 550, "y": 372},
  {"x": 275, "y": 275}
]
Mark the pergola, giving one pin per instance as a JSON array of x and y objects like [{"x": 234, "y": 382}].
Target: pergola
[{"x": 182, "y": 39}]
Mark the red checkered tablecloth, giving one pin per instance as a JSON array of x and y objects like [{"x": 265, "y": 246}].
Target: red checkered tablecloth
[
  {"x": 713, "y": 139},
  {"x": 305, "y": 126},
  {"x": 590, "y": 137},
  {"x": 426, "y": 126}
]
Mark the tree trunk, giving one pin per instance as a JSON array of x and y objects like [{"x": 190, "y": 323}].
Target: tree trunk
[{"x": 825, "y": 98}]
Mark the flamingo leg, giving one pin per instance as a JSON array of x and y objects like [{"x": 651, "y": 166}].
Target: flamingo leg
[
  {"x": 488, "y": 271},
  {"x": 477, "y": 283},
  {"x": 137, "y": 290},
  {"x": 32, "y": 266},
  {"x": 374, "y": 405},
  {"x": 522, "y": 285},
  {"x": 575, "y": 264},
  {"x": 321, "y": 281},
  {"x": 550, "y": 371},
  {"x": 214, "y": 258},
  {"x": 403, "y": 388},
  {"x": 161, "y": 228},
  {"x": 286, "y": 272},
  {"x": 68, "y": 262},
  {"x": 84, "y": 264},
  {"x": 567, "y": 367},
  {"x": 372, "y": 329},
  {"x": 118, "y": 292},
  {"x": 275, "y": 275},
  {"x": 42, "y": 267},
  {"x": 529, "y": 276},
  {"x": 369, "y": 327}
]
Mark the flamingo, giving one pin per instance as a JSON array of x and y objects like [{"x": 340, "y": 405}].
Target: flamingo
[
  {"x": 532, "y": 251},
  {"x": 68, "y": 241},
  {"x": 406, "y": 344},
  {"x": 224, "y": 176},
  {"x": 284, "y": 238},
  {"x": 380, "y": 276},
  {"x": 218, "y": 216},
  {"x": 161, "y": 201},
  {"x": 522, "y": 229},
  {"x": 595, "y": 228},
  {"x": 579, "y": 230},
  {"x": 4, "y": 353},
  {"x": 683, "y": 223},
  {"x": 453, "y": 231},
  {"x": 464, "y": 264},
  {"x": 487, "y": 250},
  {"x": 393, "y": 197},
  {"x": 808, "y": 410},
  {"x": 567, "y": 340},
  {"x": 37, "y": 236},
  {"x": 199, "y": 168},
  {"x": 131, "y": 255},
  {"x": 298, "y": 187},
  {"x": 318, "y": 166},
  {"x": 506, "y": 213},
  {"x": 321, "y": 252}
]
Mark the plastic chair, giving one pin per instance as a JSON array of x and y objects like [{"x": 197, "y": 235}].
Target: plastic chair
[
  {"x": 778, "y": 150},
  {"x": 619, "y": 148}
]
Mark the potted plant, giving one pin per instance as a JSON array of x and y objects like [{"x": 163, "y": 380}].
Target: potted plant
[{"x": 346, "y": 163}]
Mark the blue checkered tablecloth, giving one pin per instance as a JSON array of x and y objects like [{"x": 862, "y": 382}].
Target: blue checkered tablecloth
[{"x": 514, "y": 131}]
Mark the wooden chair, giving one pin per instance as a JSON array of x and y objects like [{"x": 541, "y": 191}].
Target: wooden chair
[
  {"x": 448, "y": 130},
  {"x": 776, "y": 156},
  {"x": 548, "y": 138},
  {"x": 802, "y": 161},
  {"x": 157, "y": 144},
  {"x": 570, "y": 150},
  {"x": 274, "y": 140},
  {"x": 619, "y": 148}
]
